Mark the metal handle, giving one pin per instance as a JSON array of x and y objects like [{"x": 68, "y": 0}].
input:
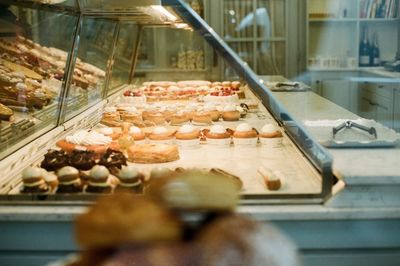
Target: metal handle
[{"x": 350, "y": 124}]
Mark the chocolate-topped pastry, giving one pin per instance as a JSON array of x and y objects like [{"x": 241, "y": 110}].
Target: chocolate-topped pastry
[
  {"x": 113, "y": 160},
  {"x": 32, "y": 177},
  {"x": 82, "y": 160},
  {"x": 69, "y": 181},
  {"x": 54, "y": 160},
  {"x": 130, "y": 180},
  {"x": 98, "y": 180}
]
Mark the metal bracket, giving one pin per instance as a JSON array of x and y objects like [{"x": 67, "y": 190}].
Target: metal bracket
[{"x": 349, "y": 124}]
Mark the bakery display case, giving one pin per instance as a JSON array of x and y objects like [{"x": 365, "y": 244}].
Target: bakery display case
[{"x": 107, "y": 125}]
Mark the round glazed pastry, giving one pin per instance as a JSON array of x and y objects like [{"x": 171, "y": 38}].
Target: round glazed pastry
[
  {"x": 69, "y": 180},
  {"x": 82, "y": 160},
  {"x": 271, "y": 136},
  {"x": 161, "y": 135},
  {"x": 138, "y": 135},
  {"x": 230, "y": 113},
  {"x": 179, "y": 118},
  {"x": 113, "y": 160},
  {"x": 218, "y": 136},
  {"x": 187, "y": 136},
  {"x": 54, "y": 160},
  {"x": 130, "y": 180},
  {"x": 33, "y": 181},
  {"x": 212, "y": 110},
  {"x": 98, "y": 180},
  {"x": 245, "y": 135}
]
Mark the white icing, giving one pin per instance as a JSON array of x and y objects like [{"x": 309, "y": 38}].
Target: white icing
[
  {"x": 67, "y": 170},
  {"x": 209, "y": 107},
  {"x": 230, "y": 108},
  {"x": 217, "y": 129},
  {"x": 135, "y": 130},
  {"x": 99, "y": 172},
  {"x": 32, "y": 172},
  {"x": 49, "y": 177},
  {"x": 84, "y": 137},
  {"x": 243, "y": 127},
  {"x": 160, "y": 130},
  {"x": 128, "y": 172},
  {"x": 186, "y": 129},
  {"x": 106, "y": 130},
  {"x": 269, "y": 128},
  {"x": 110, "y": 109}
]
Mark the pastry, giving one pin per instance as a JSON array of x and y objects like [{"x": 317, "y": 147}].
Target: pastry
[
  {"x": 161, "y": 135},
  {"x": 194, "y": 189},
  {"x": 69, "y": 180},
  {"x": 271, "y": 136},
  {"x": 212, "y": 110},
  {"x": 33, "y": 181},
  {"x": 6, "y": 113},
  {"x": 51, "y": 180},
  {"x": 156, "y": 118},
  {"x": 113, "y": 133},
  {"x": 87, "y": 140},
  {"x": 138, "y": 135},
  {"x": 131, "y": 115},
  {"x": 273, "y": 179},
  {"x": 201, "y": 118},
  {"x": 113, "y": 160},
  {"x": 230, "y": 113},
  {"x": 98, "y": 180},
  {"x": 153, "y": 153},
  {"x": 111, "y": 113},
  {"x": 245, "y": 135},
  {"x": 131, "y": 180},
  {"x": 179, "y": 118},
  {"x": 123, "y": 219},
  {"x": 187, "y": 136},
  {"x": 82, "y": 160},
  {"x": 54, "y": 160},
  {"x": 218, "y": 136}
]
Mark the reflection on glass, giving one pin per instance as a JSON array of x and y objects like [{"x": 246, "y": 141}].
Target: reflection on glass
[
  {"x": 88, "y": 81},
  {"x": 127, "y": 39},
  {"x": 271, "y": 58},
  {"x": 32, "y": 65}
]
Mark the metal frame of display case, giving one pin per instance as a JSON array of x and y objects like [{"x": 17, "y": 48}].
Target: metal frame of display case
[{"x": 316, "y": 154}]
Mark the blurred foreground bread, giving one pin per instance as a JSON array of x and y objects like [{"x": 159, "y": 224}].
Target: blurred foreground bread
[
  {"x": 195, "y": 189},
  {"x": 126, "y": 219}
]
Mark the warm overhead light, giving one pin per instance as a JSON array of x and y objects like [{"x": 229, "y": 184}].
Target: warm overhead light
[
  {"x": 165, "y": 12},
  {"x": 182, "y": 26}
]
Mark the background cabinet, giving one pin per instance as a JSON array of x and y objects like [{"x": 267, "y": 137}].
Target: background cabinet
[{"x": 396, "y": 111}]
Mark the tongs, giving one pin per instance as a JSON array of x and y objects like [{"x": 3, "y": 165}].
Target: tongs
[{"x": 349, "y": 124}]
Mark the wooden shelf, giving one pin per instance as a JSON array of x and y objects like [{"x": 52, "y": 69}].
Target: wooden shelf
[{"x": 332, "y": 20}]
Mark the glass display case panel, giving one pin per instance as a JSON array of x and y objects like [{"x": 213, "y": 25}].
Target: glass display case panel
[
  {"x": 271, "y": 19},
  {"x": 124, "y": 55},
  {"x": 238, "y": 19},
  {"x": 271, "y": 57},
  {"x": 89, "y": 75},
  {"x": 32, "y": 67}
]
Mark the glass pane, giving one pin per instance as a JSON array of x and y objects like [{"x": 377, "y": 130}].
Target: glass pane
[
  {"x": 271, "y": 59},
  {"x": 245, "y": 51},
  {"x": 238, "y": 19},
  {"x": 123, "y": 55},
  {"x": 32, "y": 64},
  {"x": 271, "y": 18},
  {"x": 89, "y": 77}
]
